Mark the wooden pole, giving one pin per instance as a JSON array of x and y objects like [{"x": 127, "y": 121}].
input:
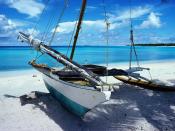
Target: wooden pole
[{"x": 78, "y": 28}]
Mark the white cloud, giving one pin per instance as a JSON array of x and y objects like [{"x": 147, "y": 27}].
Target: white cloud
[
  {"x": 89, "y": 26},
  {"x": 18, "y": 23},
  {"x": 91, "y": 7},
  {"x": 29, "y": 7},
  {"x": 94, "y": 25},
  {"x": 152, "y": 21},
  {"x": 67, "y": 27},
  {"x": 88, "y": 8},
  {"x": 117, "y": 19},
  {"x": 8, "y": 30},
  {"x": 6, "y": 25},
  {"x": 135, "y": 13},
  {"x": 120, "y": 24},
  {"x": 32, "y": 31}
]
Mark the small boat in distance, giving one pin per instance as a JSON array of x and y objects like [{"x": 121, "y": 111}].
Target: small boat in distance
[
  {"x": 133, "y": 75},
  {"x": 78, "y": 87}
]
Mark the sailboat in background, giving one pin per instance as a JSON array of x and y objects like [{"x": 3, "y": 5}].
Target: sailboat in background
[
  {"x": 133, "y": 75},
  {"x": 78, "y": 87}
]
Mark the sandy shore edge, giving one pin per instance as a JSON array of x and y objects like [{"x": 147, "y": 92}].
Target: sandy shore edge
[{"x": 130, "y": 108}]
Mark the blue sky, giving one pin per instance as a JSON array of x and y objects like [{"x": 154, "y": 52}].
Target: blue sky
[{"x": 153, "y": 21}]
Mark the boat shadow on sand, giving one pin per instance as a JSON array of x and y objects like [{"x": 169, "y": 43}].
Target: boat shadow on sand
[{"x": 130, "y": 108}]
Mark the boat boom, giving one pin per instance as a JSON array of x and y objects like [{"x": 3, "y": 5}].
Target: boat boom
[{"x": 43, "y": 48}]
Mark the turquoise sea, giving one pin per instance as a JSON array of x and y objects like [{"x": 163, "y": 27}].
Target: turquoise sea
[{"x": 13, "y": 58}]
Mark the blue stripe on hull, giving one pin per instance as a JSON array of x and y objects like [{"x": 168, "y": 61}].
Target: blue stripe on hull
[{"x": 69, "y": 104}]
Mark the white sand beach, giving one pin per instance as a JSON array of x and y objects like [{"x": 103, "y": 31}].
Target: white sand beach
[{"x": 130, "y": 108}]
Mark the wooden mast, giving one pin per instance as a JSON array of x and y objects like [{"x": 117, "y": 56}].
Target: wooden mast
[{"x": 78, "y": 28}]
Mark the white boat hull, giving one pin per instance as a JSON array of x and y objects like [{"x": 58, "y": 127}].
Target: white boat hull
[{"x": 78, "y": 99}]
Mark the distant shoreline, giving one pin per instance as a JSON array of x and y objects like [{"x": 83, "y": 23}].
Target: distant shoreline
[
  {"x": 161, "y": 44},
  {"x": 66, "y": 46},
  {"x": 157, "y": 44}
]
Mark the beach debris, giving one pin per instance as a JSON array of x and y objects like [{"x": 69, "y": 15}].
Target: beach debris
[
  {"x": 34, "y": 75},
  {"x": 10, "y": 96}
]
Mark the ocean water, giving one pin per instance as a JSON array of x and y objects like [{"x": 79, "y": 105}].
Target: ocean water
[{"x": 15, "y": 58}]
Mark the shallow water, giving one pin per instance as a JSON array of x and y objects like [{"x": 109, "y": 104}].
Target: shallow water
[{"x": 13, "y": 58}]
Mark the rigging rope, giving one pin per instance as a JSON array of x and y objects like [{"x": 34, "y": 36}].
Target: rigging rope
[
  {"x": 72, "y": 36},
  {"x": 107, "y": 39},
  {"x": 38, "y": 56},
  {"x": 42, "y": 13},
  {"x": 35, "y": 27},
  {"x": 132, "y": 46},
  {"x": 51, "y": 19},
  {"x": 59, "y": 19}
]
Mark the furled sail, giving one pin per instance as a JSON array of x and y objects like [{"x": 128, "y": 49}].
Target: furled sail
[{"x": 40, "y": 46}]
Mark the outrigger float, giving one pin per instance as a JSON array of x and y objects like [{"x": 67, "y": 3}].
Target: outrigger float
[{"x": 132, "y": 75}]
